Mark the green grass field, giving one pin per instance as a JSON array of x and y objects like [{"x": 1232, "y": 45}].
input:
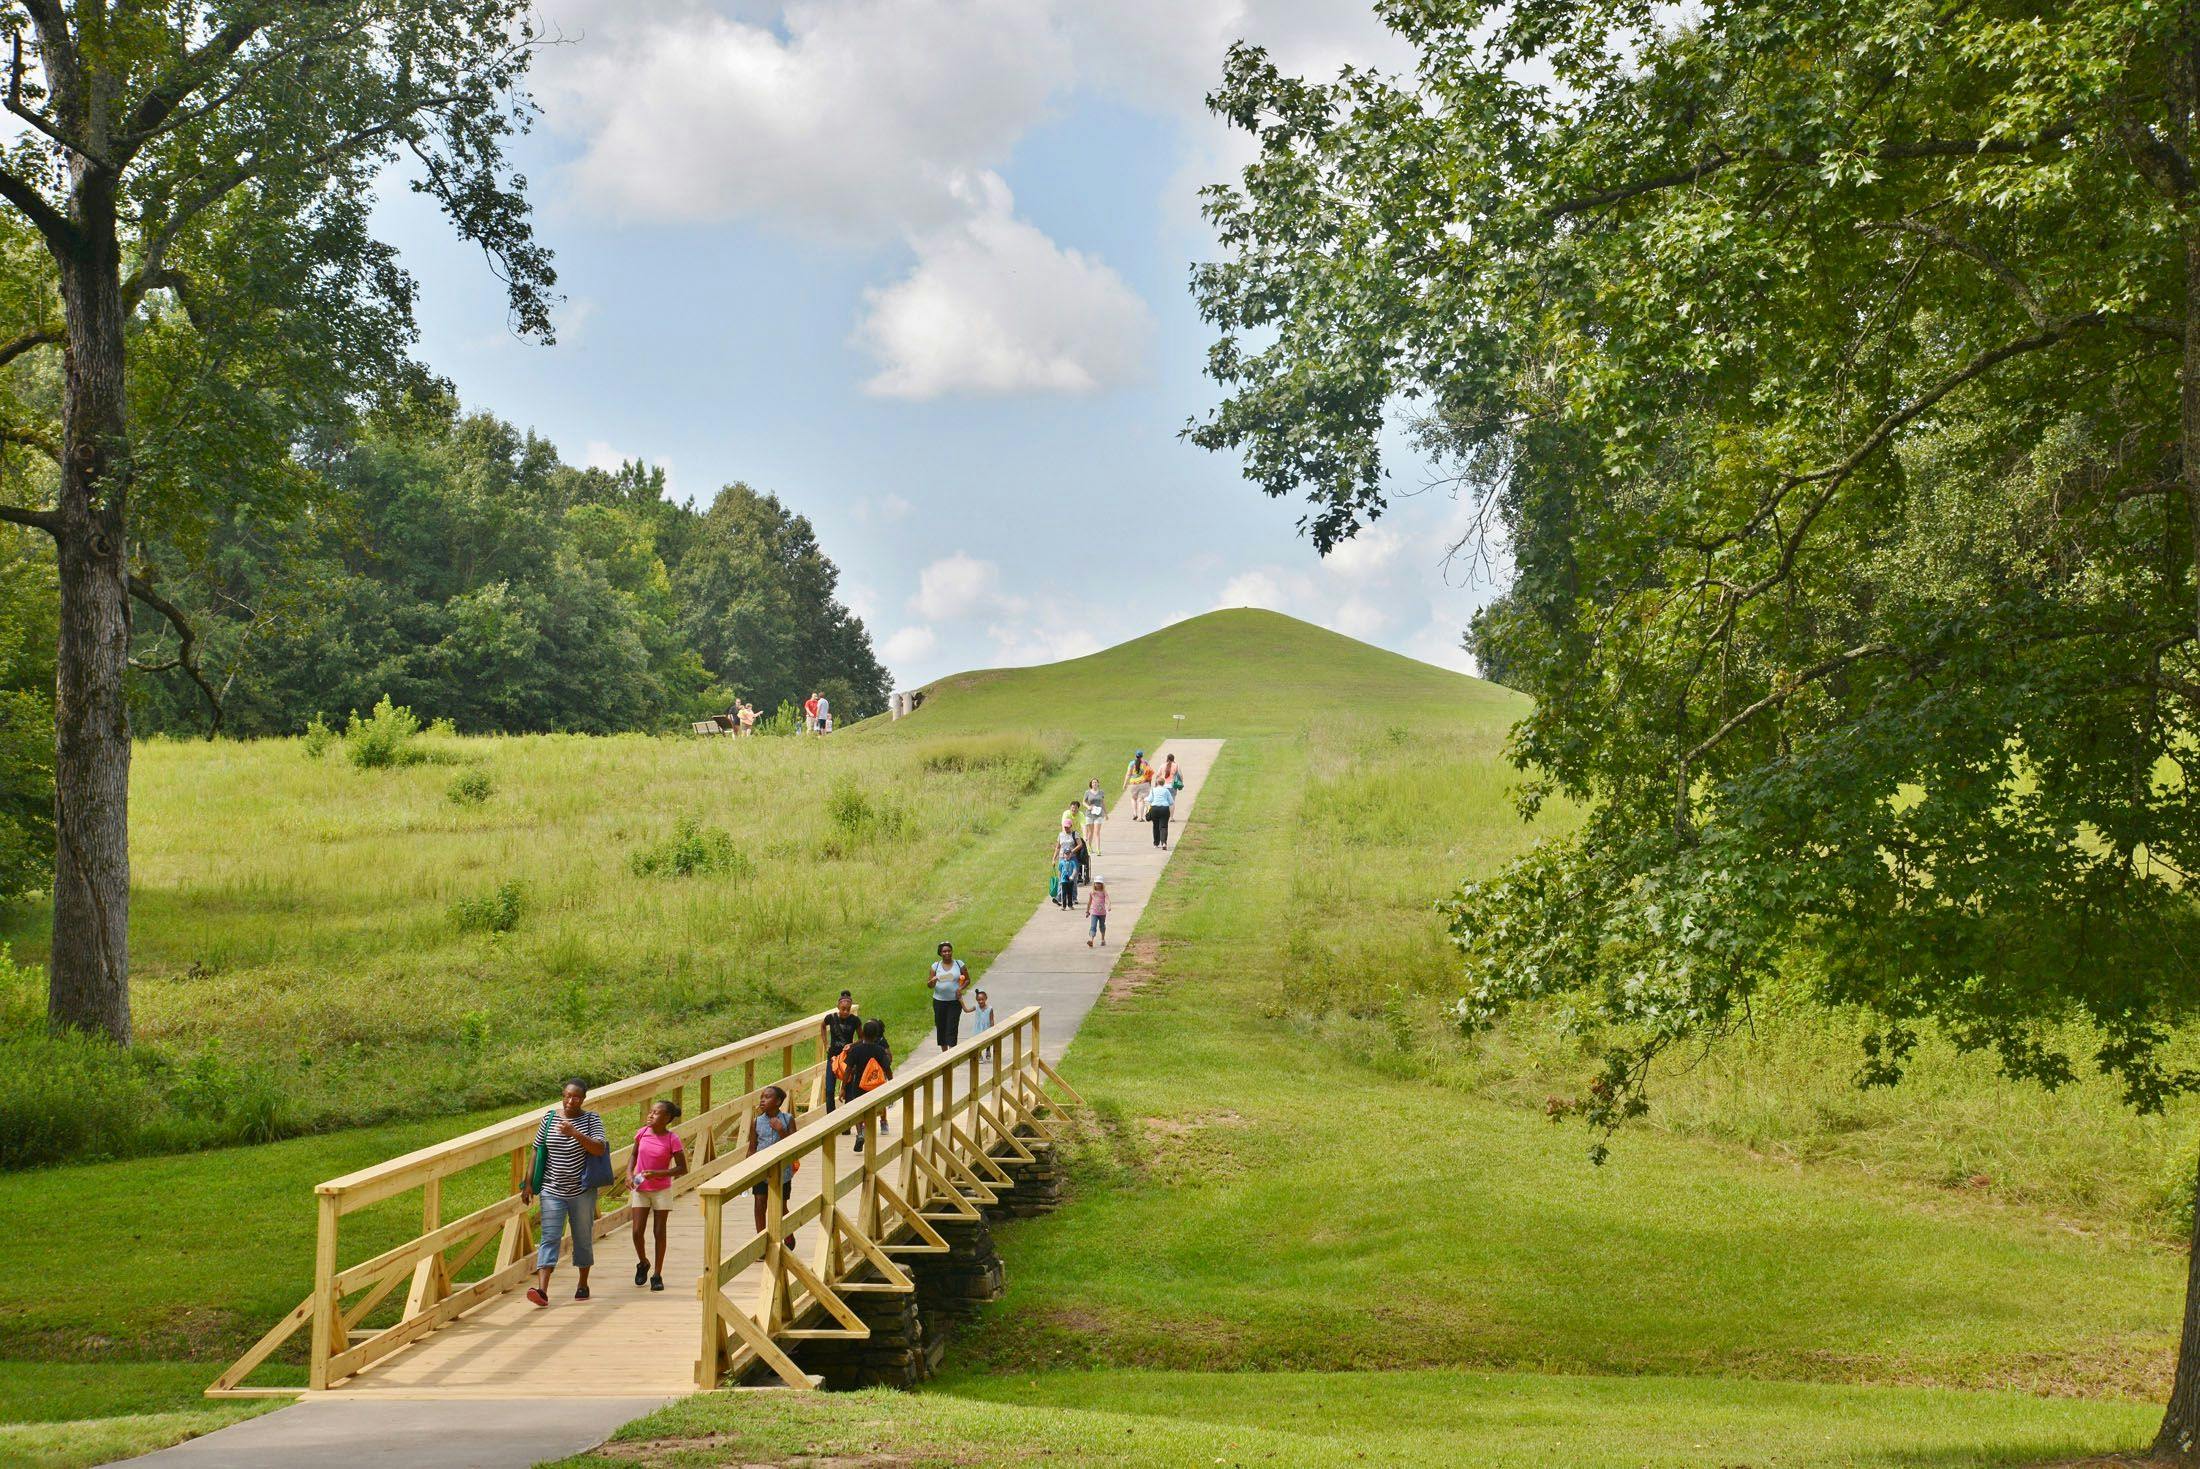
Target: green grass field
[{"x": 1310, "y": 1224}]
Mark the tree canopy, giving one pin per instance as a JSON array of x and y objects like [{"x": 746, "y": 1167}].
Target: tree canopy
[
  {"x": 1831, "y": 375},
  {"x": 457, "y": 565}
]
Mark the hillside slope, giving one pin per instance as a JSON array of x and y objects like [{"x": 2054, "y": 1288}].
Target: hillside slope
[{"x": 1235, "y": 673}]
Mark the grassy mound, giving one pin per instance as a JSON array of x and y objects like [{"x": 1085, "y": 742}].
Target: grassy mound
[{"x": 1291, "y": 1162}]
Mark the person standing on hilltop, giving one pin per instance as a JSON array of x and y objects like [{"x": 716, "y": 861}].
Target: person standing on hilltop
[
  {"x": 824, "y": 714},
  {"x": 809, "y": 715},
  {"x": 947, "y": 981}
]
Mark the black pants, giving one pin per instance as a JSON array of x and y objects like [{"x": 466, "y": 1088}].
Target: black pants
[
  {"x": 830, "y": 1079},
  {"x": 946, "y": 1021},
  {"x": 1159, "y": 816}
]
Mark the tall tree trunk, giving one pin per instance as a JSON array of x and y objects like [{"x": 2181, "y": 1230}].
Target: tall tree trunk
[
  {"x": 2180, "y": 1435},
  {"x": 90, "y": 974}
]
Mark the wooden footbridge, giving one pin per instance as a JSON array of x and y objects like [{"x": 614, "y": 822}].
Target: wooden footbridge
[{"x": 436, "y": 1309}]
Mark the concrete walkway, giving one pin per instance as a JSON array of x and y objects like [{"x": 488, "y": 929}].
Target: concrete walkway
[
  {"x": 444, "y": 1403},
  {"x": 1047, "y": 963},
  {"x": 382, "y": 1433}
]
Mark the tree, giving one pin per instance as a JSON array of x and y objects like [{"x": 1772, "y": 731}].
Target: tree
[
  {"x": 1833, "y": 371},
  {"x": 193, "y": 186},
  {"x": 761, "y": 608}
]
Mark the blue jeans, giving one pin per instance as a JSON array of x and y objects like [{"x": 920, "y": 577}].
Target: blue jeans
[{"x": 581, "y": 1211}]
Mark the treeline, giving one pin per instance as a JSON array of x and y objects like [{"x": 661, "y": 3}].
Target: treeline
[{"x": 457, "y": 565}]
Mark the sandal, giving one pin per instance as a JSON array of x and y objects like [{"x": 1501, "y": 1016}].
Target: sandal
[{"x": 581, "y": 1294}]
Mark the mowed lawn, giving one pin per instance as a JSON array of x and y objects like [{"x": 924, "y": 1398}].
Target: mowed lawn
[
  {"x": 1286, "y": 1168},
  {"x": 1289, "y": 1165},
  {"x": 1352, "y": 1420}
]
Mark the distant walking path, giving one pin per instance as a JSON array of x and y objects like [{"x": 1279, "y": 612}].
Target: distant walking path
[
  {"x": 465, "y": 1397},
  {"x": 1047, "y": 963}
]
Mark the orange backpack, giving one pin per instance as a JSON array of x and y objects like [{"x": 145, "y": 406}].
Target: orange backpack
[{"x": 874, "y": 1075}]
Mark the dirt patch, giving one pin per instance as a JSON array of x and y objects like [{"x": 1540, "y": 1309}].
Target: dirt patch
[
  {"x": 1176, "y": 1128},
  {"x": 1141, "y": 961}
]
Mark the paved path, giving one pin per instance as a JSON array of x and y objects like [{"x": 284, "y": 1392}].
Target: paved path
[{"x": 454, "y": 1400}]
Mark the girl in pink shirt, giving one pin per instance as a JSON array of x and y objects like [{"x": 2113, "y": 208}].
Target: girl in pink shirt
[
  {"x": 1096, "y": 912},
  {"x": 659, "y": 1158}
]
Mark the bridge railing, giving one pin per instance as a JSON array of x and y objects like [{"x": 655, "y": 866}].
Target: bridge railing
[
  {"x": 955, "y": 1119},
  {"x": 430, "y": 1263}
]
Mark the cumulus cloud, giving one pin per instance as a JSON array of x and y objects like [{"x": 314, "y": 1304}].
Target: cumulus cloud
[
  {"x": 909, "y": 644},
  {"x": 844, "y": 118},
  {"x": 993, "y": 306},
  {"x": 960, "y": 587},
  {"x": 886, "y": 123}
]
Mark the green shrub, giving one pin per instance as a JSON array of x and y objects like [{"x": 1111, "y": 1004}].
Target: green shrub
[
  {"x": 470, "y": 788},
  {"x": 318, "y": 738},
  {"x": 385, "y": 738},
  {"x": 497, "y": 912},
  {"x": 785, "y": 720},
  {"x": 692, "y": 850},
  {"x": 858, "y": 820},
  {"x": 69, "y": 1098},
  {"x": 1024, "y": 759}
]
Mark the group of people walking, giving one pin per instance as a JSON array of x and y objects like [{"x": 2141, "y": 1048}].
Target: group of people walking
[
  {"x": 572, "y": 1156},
  {"x": 1152, "y": 792}
]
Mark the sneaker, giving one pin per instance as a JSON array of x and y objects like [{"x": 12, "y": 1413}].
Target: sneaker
[
  {"x": 581, "y": 1294},
  {"x": 534, "y": 1293},
  {"x": 641, "y": 1271},
  {"x": 656, "y": 1282}
]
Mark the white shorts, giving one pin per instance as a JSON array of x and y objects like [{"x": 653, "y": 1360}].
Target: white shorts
[{"x": 657, "y": 1200}]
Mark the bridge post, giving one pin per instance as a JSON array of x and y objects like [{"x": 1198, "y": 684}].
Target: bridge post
[
  {"x": 326, "y": 1303},
  {"x": 710, "y": 1361}
]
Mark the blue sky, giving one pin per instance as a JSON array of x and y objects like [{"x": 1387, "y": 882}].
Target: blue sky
[{"x": 919, "y": 267}]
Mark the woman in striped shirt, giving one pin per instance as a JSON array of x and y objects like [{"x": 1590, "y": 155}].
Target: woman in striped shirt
[{"x": 568, "y": 1138}]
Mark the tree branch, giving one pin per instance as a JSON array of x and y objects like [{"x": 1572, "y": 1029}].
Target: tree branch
[
  {"x": 187, "y": 657},
  {"x": 43, "y": 337},
  {"x": 16, "y": 105},
  {"x": 186, "y": 77},
  {"x": 1719, "y": 160},
  {"x": 45, "y": 520},
  {"x": 1994, "y": 265}
]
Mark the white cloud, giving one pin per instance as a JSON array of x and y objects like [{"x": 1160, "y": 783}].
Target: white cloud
[
  {"x": 909, "y": 644},
  {"x": 959, "y": 587},
  {"x": 993, "y": 306},
  {"x": 845, "y": 118},
  {"x": 886, "y": 509}
]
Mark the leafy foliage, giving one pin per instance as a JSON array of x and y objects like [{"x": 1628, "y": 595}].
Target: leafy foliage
[
  {"x": 26, "y": 714},
  {"x": 495, "y": 912},
  {"x": 472, "y": 573},
  {"x": 693, "y": 850},
  {"x": 470, "y": 788},
  {"x": 384, "y": 738},
  {"x": 1820, "y": 367}
]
